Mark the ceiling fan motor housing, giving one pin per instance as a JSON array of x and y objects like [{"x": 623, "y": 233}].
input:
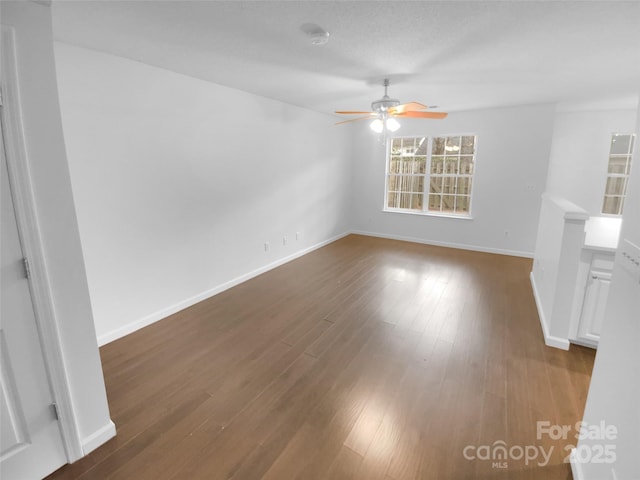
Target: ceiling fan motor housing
[{"x": 384, "y": 104}]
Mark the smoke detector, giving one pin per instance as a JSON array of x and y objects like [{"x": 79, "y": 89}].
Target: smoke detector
[{"x": 317, "y": 35}]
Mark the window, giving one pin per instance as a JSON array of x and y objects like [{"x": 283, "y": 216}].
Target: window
[
  {"x": 441, "y": 174},
  {"x": 618, "y": 173}
]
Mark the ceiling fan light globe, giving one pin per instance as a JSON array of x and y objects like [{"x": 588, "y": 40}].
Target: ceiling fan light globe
[
  {"x": 377, "y": 125},
  {"x": 392, "y": 124}
]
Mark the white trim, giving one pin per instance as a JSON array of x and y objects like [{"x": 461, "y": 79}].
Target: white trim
[
  {"x": 165, "y": 312},
  {"x": 576, "y": 467},
  {"x": 31, "y": 240},
  {"x": 572, "y": 212},
  {"x": 549, "y": 340},
  {"x": 460, "y": 246},
  {"x": 427, "y": 213},
  {"x": 98, "y": 438},
  {"x": 584, "y": 343}
]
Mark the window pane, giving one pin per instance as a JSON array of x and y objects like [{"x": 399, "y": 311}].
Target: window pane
[
  {"x": 416, "y": 201},
  {"x": 448, "y": 203},
  {"x": 620, "y": 144},
  {"x": 407, "y": 173},
  {"x": 405, "y": 200},
  {"x": 615, "y": 186},
  {"x": 418, "y": 184},
  {"x": 464, "y": 185},
  {"x": 437, "y": 165},
  {"x": 392, "y": 200},
  {"x": 422, "y": 146},
  {"x": 468, "y": 145},
  {"x": 449, "y": 185},
  {"x": 612, "y": 205},
  {"x": 394, "y": 166},
  {"x": 438, "y": 146},
  {"x": 409, "y": 146},
  {"x": 452, "y": 145},
  {"x": 462, "y": 204},
  {"x": 451, "y": 165},
  {"x": 434, "y": 202},
  {"x": 435, "y": 185},
  {"x": 618, "y": 164},
  {"x": 466, "y": 165}
]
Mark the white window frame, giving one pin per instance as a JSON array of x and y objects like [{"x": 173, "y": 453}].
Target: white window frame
[
  {"x": 427, "y": 178},
  {"x": 625, "y": 176}
]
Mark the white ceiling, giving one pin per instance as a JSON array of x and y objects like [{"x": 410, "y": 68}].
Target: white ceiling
[{"x": 458, "y": 55}]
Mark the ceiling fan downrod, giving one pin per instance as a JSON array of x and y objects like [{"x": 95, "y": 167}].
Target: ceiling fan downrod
[{"x": 385, "y": 103}]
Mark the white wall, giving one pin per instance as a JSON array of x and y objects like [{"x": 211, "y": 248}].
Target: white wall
[
  {"x": 511, "y": 171},
  {"x": 555, "y": 266},
  {"x": 614, "y": 393},
  {"x": 179, "y": 182},
  {"x": 54, "y": 205},
  {"x": 580, "y": 154}
]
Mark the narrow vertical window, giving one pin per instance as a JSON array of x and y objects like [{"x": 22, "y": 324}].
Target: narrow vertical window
[{"x": 618, "y": 170}]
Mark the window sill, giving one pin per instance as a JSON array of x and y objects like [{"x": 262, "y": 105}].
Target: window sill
[{"x": 429, "y": 214}]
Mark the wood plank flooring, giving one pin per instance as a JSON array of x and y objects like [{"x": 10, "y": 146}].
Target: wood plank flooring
[{"x": 367, "y": 359}]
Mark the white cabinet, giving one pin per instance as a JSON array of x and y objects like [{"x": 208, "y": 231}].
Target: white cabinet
[
  {"x": 594, "y": 300},
  {"x": 593, "y": 306}
]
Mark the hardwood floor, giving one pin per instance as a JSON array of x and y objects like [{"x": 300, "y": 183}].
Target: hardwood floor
[{"x": 367, "y": 359}]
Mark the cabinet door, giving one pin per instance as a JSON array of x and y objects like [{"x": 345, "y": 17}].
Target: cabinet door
[{"x": 593, "y": 307}]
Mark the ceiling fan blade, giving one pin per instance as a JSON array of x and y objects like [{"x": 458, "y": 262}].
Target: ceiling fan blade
[
  {"x": 355, "y": 113},
  {"x": 407, "y": 107},
  {"x": 438, "y": 115},
  {"x": 355, "y": 120}
]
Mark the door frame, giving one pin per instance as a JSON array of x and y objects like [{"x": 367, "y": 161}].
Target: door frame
[{"x": 32, "y": 245}]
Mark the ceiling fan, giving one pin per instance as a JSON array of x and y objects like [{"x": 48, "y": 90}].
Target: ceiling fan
[{"x": 386, "y": 108}]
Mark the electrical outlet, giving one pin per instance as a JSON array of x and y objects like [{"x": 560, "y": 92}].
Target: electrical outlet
[
  {"x": 266, "y": 246},
  {"x": 298, "y": 235},
  {"x": 285, "y": 240}
]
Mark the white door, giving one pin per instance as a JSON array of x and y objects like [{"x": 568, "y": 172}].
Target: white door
[{"x": 31, "y": 444}]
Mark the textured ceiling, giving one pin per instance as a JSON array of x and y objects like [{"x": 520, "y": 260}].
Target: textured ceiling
[{"x": 458, "y": 55}]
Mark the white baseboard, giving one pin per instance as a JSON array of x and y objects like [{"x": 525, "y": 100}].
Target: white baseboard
[
  {"x": 549, "y": 340},
  {"x": 99, "y": 437},
  {"x": 461, "y": 246},
  {"x": 165, "y": 312}
]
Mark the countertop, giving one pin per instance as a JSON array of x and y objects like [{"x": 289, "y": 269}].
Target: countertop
[{"x": 602, "y": 233}]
